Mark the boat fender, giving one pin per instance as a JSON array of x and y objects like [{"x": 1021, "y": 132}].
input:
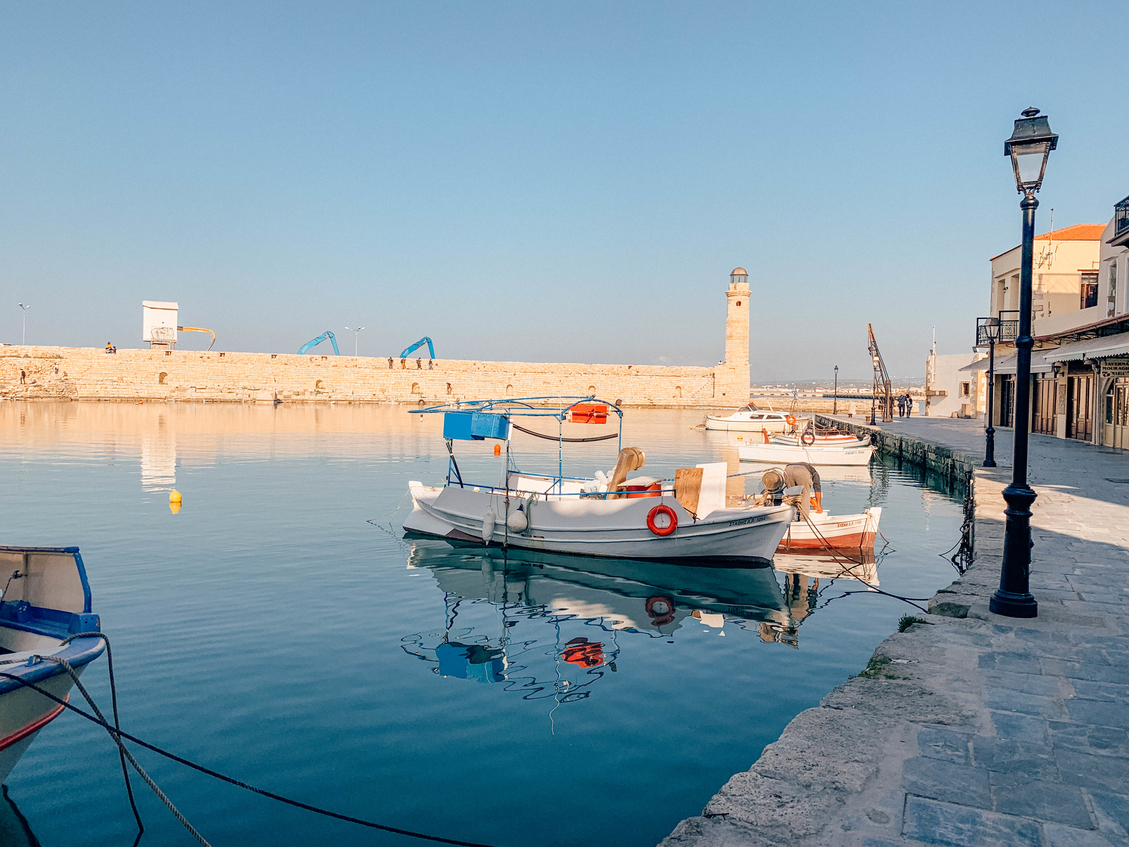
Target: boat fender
[
  {"x": 517, "y": 522},
  {"x": 488, "y": 525},
  {"x": 662, "y": 509},
  {"x": 808, "y": 438},
  {"x": 791, "y": 420},
  {"x": 765, "y": 433},
  {"x": 660, "y": 609}
]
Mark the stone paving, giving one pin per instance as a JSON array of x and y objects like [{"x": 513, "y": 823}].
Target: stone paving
[{"x": 970, "y": 728}]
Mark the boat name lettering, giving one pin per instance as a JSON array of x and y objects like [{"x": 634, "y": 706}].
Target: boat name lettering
[{"x": 745, "y": 521}]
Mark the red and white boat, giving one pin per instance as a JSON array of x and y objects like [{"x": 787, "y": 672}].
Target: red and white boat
[{"x": 824, "y": 531}]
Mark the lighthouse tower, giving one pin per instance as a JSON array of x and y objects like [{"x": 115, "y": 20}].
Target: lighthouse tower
[{"x": 735, "y": 369}]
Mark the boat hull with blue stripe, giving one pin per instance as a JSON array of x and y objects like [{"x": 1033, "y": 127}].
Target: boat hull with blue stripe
[{"x": 45, "y": 603}]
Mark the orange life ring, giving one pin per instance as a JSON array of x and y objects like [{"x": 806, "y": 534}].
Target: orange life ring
[
  {"x": 808, "y": 438},
  {"x": 791, "y": 420},
  {"x": 662, "y": 509},
  {"x": 660, "y": 618}
]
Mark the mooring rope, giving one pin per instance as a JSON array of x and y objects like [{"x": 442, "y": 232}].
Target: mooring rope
[{"x": 118, "y": 735}]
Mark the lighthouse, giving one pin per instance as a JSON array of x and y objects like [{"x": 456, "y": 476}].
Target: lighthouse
[{"x": 734, "y": 371}]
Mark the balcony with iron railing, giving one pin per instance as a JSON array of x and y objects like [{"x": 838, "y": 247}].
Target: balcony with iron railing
[{"x": 1121, "y": 223}]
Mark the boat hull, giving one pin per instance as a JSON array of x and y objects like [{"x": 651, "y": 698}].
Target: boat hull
[
  {"x": 597, "y": 527},
  {"x": 24, "y": 711},
  {"x": 845, "y": 532},
  {"x": 731, "y": 424},
  {"x": 854, "y": 455}
]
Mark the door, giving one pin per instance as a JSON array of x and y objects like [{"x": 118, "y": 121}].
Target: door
[
  {"x": 1079, "y": 407},
  {"x": 1044, "y": 418}
]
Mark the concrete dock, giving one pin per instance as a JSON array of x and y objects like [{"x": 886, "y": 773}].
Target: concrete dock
[{"x": 970, "y": 728}]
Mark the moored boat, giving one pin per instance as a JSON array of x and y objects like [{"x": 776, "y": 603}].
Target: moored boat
[
  {"x": 752, "y": 419},
  {"x": 784, "y": 450},
  {"x": 45, "y": 604},
  {"x": 824, "y": 531},
  {"x": 602, "y": 515}
]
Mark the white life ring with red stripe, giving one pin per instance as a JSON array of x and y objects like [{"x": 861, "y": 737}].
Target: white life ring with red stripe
[{"x": 662, "y": 509}]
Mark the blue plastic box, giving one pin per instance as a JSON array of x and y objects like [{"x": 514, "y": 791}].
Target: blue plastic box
[{"x": 474, "y": 426}]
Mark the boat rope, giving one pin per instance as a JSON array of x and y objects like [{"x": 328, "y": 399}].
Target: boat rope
[
  {"x": 404, "y": 499},
  {"x": 561, "y": 437},
  {"x": 119, "y": 735},
  {"x": 115, "y": 735},
  {"x": 117, "y": 720}
]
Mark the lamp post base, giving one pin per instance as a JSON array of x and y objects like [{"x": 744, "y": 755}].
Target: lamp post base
[
  {"x": 1013, "y": 605},
  {"x": 990, "y": 447},
  {"x": 1013, "y": 598}
]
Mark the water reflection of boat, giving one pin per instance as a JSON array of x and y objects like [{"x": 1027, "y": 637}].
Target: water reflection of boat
[
  {"x": 625, "y": 594},
  {"x": 861, "y": 565},
  {"x": 15, "y": 831}
]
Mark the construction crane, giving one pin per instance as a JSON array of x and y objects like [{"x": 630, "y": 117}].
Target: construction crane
[
  {"x": 311, "y": 344},
  {"x": 881, "y": 379},
  {"x": 198, "y": 329},
  {"x": 417, "y": 345}
]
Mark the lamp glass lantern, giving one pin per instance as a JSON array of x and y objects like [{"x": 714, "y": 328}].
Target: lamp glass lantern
[
  {"x": 1030, "y": 144},
  {"x": 992, "y": 330}
]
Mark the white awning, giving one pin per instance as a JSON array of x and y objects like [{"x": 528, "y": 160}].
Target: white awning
[
  {"x": 1006, "y": 365},
  {"x": 1091, "y": 348}
]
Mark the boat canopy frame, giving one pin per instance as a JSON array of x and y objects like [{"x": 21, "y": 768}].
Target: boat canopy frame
[{"x": 557, "y": 407}]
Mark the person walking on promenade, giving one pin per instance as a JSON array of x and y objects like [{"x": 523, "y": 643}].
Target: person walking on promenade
[
  {"x": 909, "y": 404},
  {"x": 901, "y": 405},
  {"x": 23, "y": 376},
  {"x": 389, "y": 363}
]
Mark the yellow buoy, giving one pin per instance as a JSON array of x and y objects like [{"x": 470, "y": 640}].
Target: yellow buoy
[{"x": 174, "y": 496}]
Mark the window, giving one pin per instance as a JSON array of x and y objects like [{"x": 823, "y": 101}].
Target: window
[
  {"x": 1112, "y": 289},
  {"x": 965, "y": 389},
  {"x": 1089, "y": 291},
  {"x": 161, "y": 379}
]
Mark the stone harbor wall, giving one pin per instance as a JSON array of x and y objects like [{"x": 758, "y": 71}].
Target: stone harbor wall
[{"x": 91, "y": 374}]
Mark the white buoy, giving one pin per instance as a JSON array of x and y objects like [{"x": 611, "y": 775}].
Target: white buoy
[
  {"x": 488, "y": 525},
  {"x": 517, "y": 521}
]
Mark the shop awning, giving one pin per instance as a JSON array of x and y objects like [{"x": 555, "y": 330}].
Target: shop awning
[
  {"x": 1091, "y": 348},
  {"x": 1006, "y": 365}
]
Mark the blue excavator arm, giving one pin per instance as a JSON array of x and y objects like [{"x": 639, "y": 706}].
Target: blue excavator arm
[
  {"x": 311, "y": 344},
  {"x": 417, "y": 345}
]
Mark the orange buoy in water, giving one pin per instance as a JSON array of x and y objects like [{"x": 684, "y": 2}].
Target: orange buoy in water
[{"x": 497, "y": 449}]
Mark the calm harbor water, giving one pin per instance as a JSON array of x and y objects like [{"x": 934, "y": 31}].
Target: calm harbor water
[{"x": 269, "y": 630}]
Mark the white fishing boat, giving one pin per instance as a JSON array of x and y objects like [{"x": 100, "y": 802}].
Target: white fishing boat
[
  {"x": 752, "y": 419},
  {"x": 45, "y": 616},
  {"x": 824, "y": 531},
  {"x": 782, "y": 449},
  {"x": 603, "y": 515}
]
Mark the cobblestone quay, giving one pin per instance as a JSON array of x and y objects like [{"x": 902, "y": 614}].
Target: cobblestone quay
[{"x": 970, "y": 728}]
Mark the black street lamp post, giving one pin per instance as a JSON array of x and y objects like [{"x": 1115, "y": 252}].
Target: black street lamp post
[
  {"x": 988, "y": 330},
  {"x": 835, "y": 398},
  {"x": 1029, "y": 146}
]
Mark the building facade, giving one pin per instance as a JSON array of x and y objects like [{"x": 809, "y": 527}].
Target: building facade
[{"x": 1080, "y": 323}]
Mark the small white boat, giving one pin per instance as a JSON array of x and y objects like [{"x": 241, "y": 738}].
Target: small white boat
[
  {"x": 826, "y": 532},
  {"x": 642, "y": 518},
  {"x": 44, "y": 605},
  {"x": 752, "y": 419},
  {"x": 785, "y": 449}
]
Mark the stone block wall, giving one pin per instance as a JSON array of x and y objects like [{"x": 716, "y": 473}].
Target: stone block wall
[{"x": 182, "y": 375}]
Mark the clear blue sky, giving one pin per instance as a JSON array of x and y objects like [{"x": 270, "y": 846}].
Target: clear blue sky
[{"x": 541, "y": 181}]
